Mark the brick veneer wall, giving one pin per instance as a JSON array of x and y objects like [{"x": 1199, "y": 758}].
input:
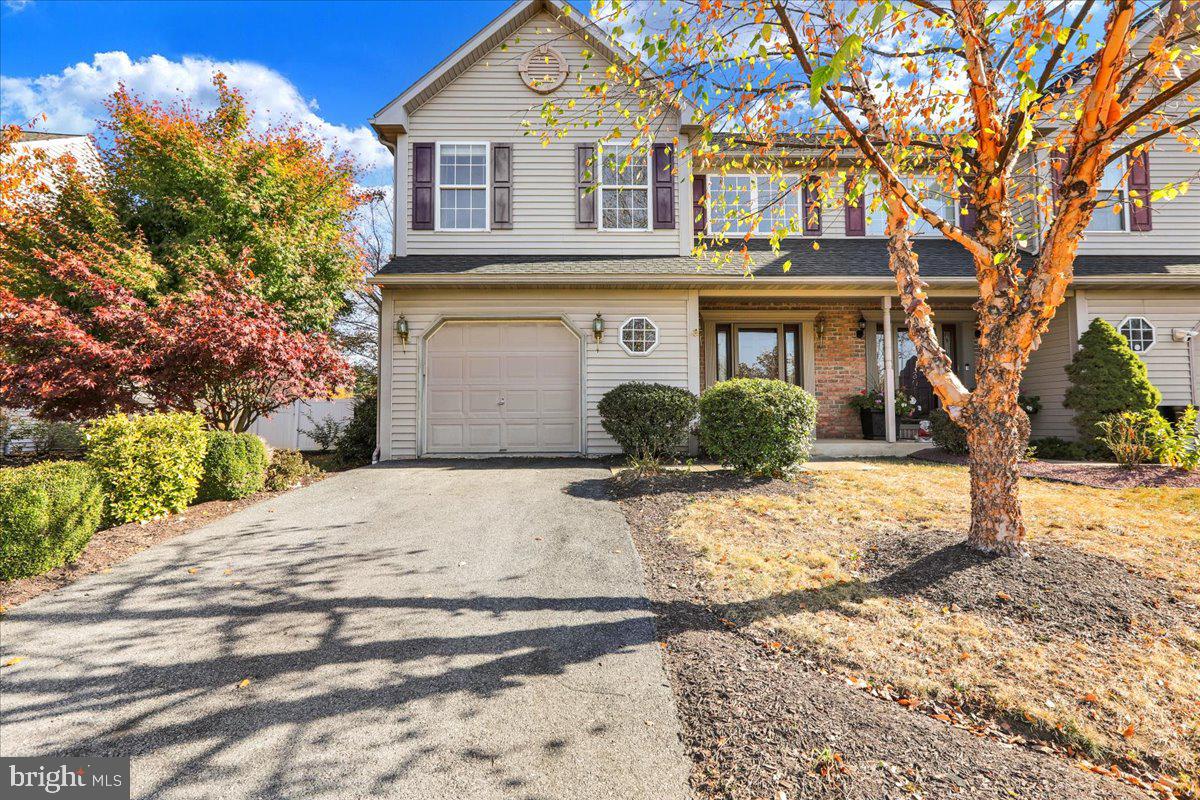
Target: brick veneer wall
[{"x": 840, "y": 363}]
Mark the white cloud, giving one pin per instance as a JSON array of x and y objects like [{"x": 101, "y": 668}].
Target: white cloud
[
  {"x": 17, "y": 6},
  {"x": 73, "y": 100}
]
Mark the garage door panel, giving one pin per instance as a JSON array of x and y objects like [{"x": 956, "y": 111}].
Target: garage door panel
[
  {"x": 446, "y": 401},
  {"x": 480, "y": 434},
  {"x": 560, "y": 401},
  {"x": 479, "y": 335},
  {"x": 521, "y": 401},
  {"x": 522, "y": 434},
  {"x": 520, "y": 336},
  {"x": 521, "y": 367},
  {"x": 559, "y": 436},
  {"x": 486, "y": 401},
  {"x": 483, "y": 369},
  {"x": 558, "y": 370},
  {"x": 447, "y": 368},
  {"x": 532, "y": 366},
  {"x": 445, "y": 437}
]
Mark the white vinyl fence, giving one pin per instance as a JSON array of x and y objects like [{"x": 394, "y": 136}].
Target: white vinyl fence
[{"x": 285, "y": 428}]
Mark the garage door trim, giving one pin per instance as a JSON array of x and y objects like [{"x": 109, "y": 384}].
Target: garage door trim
[{"x": 422, "y": 357}]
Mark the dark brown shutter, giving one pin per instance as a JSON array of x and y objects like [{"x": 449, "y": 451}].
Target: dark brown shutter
[
  {"x": 856, "y": 216},
  {"x": 664, "y": 187},
  {"x": 585, "y": 179},
  {"x": 502, "y": 179},
  {"x": 811, "y": 199},
  {"x": 1058, "y": 163},
  {"x": 1139, "y": 181},
  {"x": 699, "y": 212},
  {"x": 422, "y": 186},
  {"x": 966, "y": 210}
]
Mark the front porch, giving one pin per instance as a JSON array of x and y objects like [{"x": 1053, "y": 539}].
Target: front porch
[
  {"x": 834, "y": 346},
  {"x": 865, "y": 448}
]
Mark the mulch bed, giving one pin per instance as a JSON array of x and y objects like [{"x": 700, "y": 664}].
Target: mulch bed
[
  {"x": 1099, "y": 475},
  {"x": 108, "y": 547},
  {"x": 760, "y": 722}
]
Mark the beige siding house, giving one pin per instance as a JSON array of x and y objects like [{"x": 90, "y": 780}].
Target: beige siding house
[{"x": 516, "y": 299}]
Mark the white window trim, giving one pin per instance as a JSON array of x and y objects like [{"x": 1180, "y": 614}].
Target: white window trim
[
  {"x": 621, "y": 335},
  {"x": 871, "y": 189},
  {"x": 487, "y": 188},
  {"x": 754, "y": 234},
  {"x": 600, "y": 186},
  {"x": 1124, "y": 189},
  {"x": 1153, "y": 330}
]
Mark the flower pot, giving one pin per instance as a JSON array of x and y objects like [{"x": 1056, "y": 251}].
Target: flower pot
[{"x": 872, "y": 424}]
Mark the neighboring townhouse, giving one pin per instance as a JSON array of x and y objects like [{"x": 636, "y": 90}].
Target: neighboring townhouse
[{"x": 516, "y": 298}]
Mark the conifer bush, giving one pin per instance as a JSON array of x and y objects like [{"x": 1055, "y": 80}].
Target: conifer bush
[{"x": 1107, "y": 378}]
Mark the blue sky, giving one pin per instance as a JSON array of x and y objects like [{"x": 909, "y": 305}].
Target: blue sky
[{"x": 329, "y": 64}]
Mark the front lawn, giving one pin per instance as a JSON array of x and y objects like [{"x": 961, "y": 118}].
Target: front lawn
[{"x": 1091, "y": 645}]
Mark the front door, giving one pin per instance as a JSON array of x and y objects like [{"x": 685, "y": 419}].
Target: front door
[{"x": 910, "y": 378}]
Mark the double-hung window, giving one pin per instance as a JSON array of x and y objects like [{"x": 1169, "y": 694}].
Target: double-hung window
[
  {"x": 1109, "y": 214},
  {"x": 624, "y": 188},
  {"x": 462, "y": 186},
  {"x": 758, "y": 204},
  {"x": 927, "y": 189}
]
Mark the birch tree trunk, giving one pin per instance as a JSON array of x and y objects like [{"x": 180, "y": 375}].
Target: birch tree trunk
[{"x": 997, "y": 434}]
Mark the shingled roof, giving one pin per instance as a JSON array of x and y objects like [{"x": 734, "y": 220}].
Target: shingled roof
[{"x": 838, "y": 259}]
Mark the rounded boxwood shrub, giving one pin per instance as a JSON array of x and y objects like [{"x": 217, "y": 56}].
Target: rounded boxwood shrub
[
  {"x": 288, "y": 468},
  {"x": 756, "y": 426},
  {"x": 648, "y": 420},
  {"x": 235, "y": 466},
  {"x": 947, "y": 434},
  {"x": 48, "y": 513},
  {"x": 149, "y": 465}
]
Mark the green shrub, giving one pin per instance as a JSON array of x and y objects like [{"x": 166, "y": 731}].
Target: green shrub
[
  {"x": 149, "y": 465},
  {"x": 235, "y": 466},
  {"x": 756, "y": 426},
  {"x": 1134, "y": 437},
  {"x": 48, "y": 513},
  {"x": 1054, "y": 448},
  {"x": 356, "y": 445},
  {"x": 287, "y": 469},
  {"x": 648, "y": 420},
  {"x": 1107, "y": 377},
  {"x": 1182, "y": 448},
  {"x": 947, "y": 434}
]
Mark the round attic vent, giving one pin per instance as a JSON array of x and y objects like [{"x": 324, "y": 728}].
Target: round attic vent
[{"x": 544, "y": 69}]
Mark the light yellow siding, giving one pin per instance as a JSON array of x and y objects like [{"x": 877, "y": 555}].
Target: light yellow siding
[
  {"x": 604, "y": 365},
  {"x": 1167, "y": 360},
  {"x": 488, "y": 102}
]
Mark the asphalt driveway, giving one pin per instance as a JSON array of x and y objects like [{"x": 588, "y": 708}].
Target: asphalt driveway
[{"x": 425, "y": 630}]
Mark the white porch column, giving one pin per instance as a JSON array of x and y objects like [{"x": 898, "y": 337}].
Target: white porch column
[{"x": 889, "y": 371}]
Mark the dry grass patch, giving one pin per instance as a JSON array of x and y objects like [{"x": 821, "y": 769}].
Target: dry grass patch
[{"x": 1092, "y": 640}]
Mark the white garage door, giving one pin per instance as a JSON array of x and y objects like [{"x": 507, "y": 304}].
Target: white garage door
[{"x": 502, "y": 387}]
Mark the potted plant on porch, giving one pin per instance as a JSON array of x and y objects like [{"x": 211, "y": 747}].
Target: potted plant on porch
[{"x": 870, "y": 404}]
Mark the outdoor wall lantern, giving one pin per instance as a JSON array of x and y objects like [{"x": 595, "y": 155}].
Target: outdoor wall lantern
[
  {"x": 860, "y": 330},
  {"x": 819, "y": 326},
  {"x": 402, "y": 330},
  {"x": 598, "y": 328}
]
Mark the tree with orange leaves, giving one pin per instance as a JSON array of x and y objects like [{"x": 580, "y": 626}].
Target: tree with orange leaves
[{"x": 1013, "y": 111}]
